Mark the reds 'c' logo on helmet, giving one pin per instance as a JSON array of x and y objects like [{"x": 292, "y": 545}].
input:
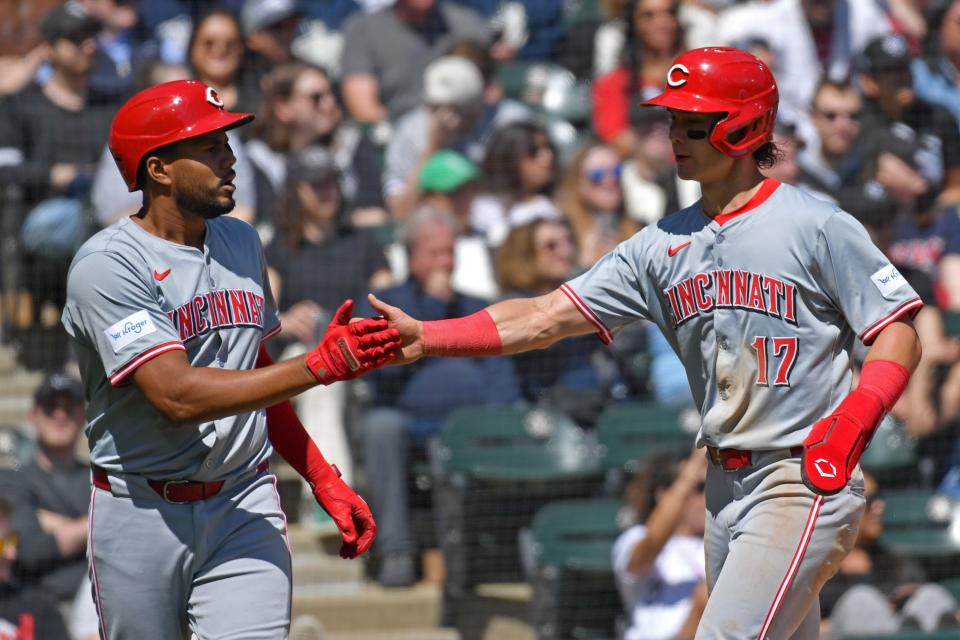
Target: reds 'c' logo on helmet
[
  {"x": 213, "y": 98},
  {"x": 726, "y": 81},
  {"x": 676, "y": 76}
]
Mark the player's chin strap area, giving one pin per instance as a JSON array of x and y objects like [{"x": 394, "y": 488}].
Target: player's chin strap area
[{"x": 835, "y": 444}]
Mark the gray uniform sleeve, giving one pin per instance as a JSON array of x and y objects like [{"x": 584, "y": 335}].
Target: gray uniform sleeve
[
  {"x": 860, "y": 280},
  {"x": 114, "y": 310},
  {"x": 271, "y": 315},
  {"x": 612, "y": 294}
]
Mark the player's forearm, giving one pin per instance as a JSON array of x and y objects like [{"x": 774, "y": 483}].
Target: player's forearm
[
  {"x": 507, "y": 327},
  {"x": 198, "y": 394}
]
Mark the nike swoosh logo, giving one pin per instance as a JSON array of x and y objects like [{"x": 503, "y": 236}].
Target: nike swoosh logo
[
  {"x": 160, "y": 275},
  {"x": 672, "y": 251}
]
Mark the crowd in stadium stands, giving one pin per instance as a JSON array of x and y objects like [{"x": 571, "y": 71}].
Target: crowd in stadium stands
[{"x": 447, "y": 153}]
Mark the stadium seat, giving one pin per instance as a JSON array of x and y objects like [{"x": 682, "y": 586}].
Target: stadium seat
[
  {"x": 628, "y": 433},
  {"x": 494, "y": 468},
  {"x": 574, "y": 593},
  {"x": 906, "y": 508},
  {"x": 891, "y": 450}
]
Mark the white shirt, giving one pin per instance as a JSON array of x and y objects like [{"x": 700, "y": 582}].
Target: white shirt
[{"x": 659, "y": 601}]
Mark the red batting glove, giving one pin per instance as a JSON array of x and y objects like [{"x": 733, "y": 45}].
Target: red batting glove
[
  {"x": 833, "y": 448},
  {"x": 348, "y": 510},
  {"x": 350, "y": 349}
]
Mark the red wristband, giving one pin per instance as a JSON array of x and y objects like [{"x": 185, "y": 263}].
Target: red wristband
[
  {"x": 473, "y": 335},
  {"x": 886, "y": 378}
]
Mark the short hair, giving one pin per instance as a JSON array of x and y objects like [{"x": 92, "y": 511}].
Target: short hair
[
  {"x": 837, "y": 84},
  {"x": 423, "y": 217}
]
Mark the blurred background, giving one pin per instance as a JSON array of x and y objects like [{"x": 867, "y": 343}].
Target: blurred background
[{"x": 449, "y": 153}]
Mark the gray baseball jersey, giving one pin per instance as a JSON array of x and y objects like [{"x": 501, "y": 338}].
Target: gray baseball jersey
[
  {"x": 132, "y": 296},
  {"x": 762, "y": 305}
]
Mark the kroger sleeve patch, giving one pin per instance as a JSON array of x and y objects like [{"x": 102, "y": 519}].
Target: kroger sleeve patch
[
  {"x": 131, "y": 328},
  {"x": 888, "y": 280},
  {"x": 119, "y": 316}
]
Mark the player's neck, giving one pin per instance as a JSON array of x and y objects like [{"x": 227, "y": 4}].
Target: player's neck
[
  {"x": 163, "y": 219},
  {"x": 731, "y": 191}
]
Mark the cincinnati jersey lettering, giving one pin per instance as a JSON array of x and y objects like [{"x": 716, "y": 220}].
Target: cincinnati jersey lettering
[
  {"x": 217, "y": 309},
  {"x": 731, "y": 289}
]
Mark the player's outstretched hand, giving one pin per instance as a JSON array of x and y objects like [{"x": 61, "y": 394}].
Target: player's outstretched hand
[
  {"x": 831, "y": 452},
  {"x": 351, "y": 514},
  {"x": 409, "y": 329},
  {"x": 350, "y": 348}
]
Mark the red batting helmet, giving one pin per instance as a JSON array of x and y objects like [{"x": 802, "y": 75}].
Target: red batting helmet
[
  {"x": 729, "y": 81},
  {"x": 164, "y": 114}
]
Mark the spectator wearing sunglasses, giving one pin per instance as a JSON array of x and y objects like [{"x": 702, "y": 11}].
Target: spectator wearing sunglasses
[
  {"x": 300, "y": 109},
  {"x": 658, "y": 562},
  {"x": 535, "y": 259},
  {"x": 591, "y": 197},
  {"x": 51, "y": 493},
  {"x": 833, "y": 158},
  {"x": 519, "y": 169},
  {"x": 25, "y": 612}
]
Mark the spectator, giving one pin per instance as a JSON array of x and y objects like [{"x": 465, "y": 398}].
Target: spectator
[
  {"x": 519, "y": 167},
  {"x": 215, "y": 53},
  {"x": 812, "y": 40},
  {"x": 658, "y": 563},
  {"x": 452, "y": 92},
  {"x": 316, "y": 260},
  {"x": 651, "y": 187},
  {"x": 450, "y": 182},
  {"x": 527, "y": 29},
  {"x": 24, "y": 613},
  {"x": 52, "y": 492},
  {"x": 22, "y": 50},
  {"x": 50, "y": 138},
  {"x": 654, "y": 38},
  {"x": 120, "y": 46},
  {"x": 591, "y": 198},
  {"x": 459, "y": 113},
  {"x": 832, "y": 158},
  {"x": 890, "y": 102},
  {"x": 408, "y": 404},
  {"x": 300, "y": 109},
  {"x": 935, "y": 77},
  {"x": 877, "y": 591},
  {"x": 269, "y": 28},
  {"x": 385, "y": 54},
  {"x": 535, "y": 259}
]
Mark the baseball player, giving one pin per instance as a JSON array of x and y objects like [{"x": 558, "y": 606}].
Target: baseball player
[
  {"x": 761, "y": 291},
  {"x": 168, "y": 310}
]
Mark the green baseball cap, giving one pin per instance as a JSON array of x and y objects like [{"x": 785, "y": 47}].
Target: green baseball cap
[{"x": 447, "y": 171}]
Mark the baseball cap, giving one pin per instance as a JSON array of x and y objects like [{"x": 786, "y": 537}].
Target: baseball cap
[
  {"x": 886, "y": 53},
  {"x": 452, "y": 80},
  {"x": 58, "y": 385},
  {"x": 447, "y": 171},
  {"x": 260, "y": 14},
  {"x": 69, "y": 22}
]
